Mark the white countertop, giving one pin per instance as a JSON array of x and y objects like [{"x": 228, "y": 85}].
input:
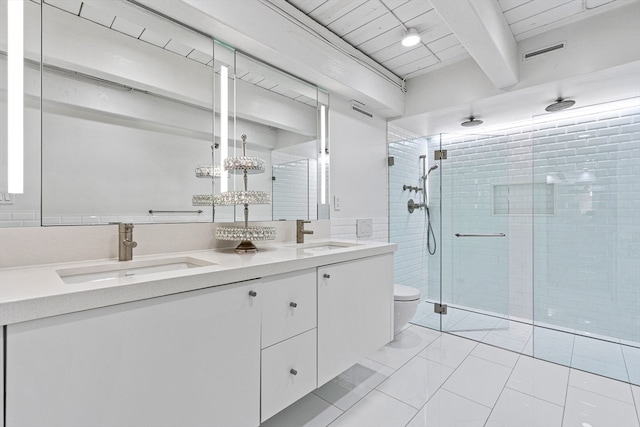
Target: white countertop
[{"x": 34, "y": 292}]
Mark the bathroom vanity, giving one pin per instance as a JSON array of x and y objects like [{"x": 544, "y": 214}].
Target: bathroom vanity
[{"x": 232, "y": 340}]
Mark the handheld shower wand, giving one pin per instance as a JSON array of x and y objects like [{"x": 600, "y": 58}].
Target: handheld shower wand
[
  {"x": 425, "y": 177},
  {"x": 425, "y": 203}
]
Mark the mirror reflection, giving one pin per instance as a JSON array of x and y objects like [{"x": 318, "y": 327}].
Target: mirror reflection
[{"x": 133, "y": 113}]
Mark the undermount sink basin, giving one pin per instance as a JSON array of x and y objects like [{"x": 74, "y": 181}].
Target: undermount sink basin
[
  {"x": 325, "y": 246},
  {"x": 98, "y": 273}
]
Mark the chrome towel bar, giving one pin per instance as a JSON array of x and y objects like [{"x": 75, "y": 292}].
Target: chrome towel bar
[
  {"x": 480, "y": 235},
  {"x": 151, "y": 211}
]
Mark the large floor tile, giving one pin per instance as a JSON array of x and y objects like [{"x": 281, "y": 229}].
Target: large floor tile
[
  {"x": 453, "y": 317},
  {"x": 479, "y": 380},
  {"x": 632, "y": 361},
  {"x": 427, "y": 335},
  {"x": 474, "y": 326},
  {"x": 353, "y": 384},
  {"x": 635, "y": 390},
  {"x": 554, "y": 346},
  {"x": 399, "y": 351},
  {"x": 544, "y": 380},
  {"x": 496, "y": 355},
  {"x": 416, "y": 381},
  {"x": 376, "y": 410},
  {"x": 600, "y": 357},
  {"x": 584, "y": 408},
  {"x": 449, "y": 409},
  {"x": 310, "y": 411},
  {"x": 509, "y": 335},
  {"x": 601, "y": 385},
  {"x": 515, "y": 409},
  {"x": 449, "y": 350}
]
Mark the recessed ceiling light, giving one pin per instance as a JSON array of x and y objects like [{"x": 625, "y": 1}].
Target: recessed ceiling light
[
  {"x": 412, "y": 38},
  {"x": 559, "y": 105},
  {"x": 471, "y": 122}
]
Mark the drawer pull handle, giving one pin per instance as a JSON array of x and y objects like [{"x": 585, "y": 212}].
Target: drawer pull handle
[
  {"x": 293, "y": 372},
  {"x": 326, "y": 276},
  {"x": 293, "y": 304},
  {"x": 253, "y": 293}
]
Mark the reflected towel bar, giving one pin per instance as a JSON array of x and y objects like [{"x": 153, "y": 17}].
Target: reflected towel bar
[
  {"x": 151, "y": 211},
  {"x": 480, "y": 235}
]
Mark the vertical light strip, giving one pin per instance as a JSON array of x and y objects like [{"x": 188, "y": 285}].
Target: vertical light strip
[
  {"x": 323, "y": 156},
  {"x": 224, "y": 126},
  {"x": 15, "y": 97}
]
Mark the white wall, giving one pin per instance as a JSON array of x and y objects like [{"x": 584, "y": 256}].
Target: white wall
[{"x": 358, "y": 156}]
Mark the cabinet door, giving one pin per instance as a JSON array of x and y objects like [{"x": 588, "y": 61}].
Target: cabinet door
[
  {"x": 355, "y": 312},
  {"x": 288, "y": 305},
  {"x": 191, "y": 359}
]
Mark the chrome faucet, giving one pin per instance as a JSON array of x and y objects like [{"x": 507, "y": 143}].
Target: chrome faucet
[
  {"x": 125, "y": 249},
  {"x": 300, "y": 231}
]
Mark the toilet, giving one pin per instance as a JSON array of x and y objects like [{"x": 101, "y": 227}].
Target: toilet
[{"x": 405, "y": 304}]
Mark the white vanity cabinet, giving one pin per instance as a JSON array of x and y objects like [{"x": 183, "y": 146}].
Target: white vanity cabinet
[
  {"x": 288, "y": 340},
  {"x": 189, "y": 359},
  {"x": 355, "y": 312},
  {"x": 227, "y": 355}
]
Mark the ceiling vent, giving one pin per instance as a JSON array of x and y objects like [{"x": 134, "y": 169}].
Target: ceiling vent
[
  {"x": 544, "y": 50},
  {"x": 359, "y": 107}
]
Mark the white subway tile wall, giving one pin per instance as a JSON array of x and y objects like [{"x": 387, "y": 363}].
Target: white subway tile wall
[
  {"x": 567, "y": 195},
  {"x": 345, "y": 229},
  {"x": 19, "y": 219},
  {"x": 408, "y": 230},
  {"x": 295, "y": 187}
]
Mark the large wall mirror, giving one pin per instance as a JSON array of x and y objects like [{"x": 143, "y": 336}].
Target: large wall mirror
[{"x": 137, "y": 112}]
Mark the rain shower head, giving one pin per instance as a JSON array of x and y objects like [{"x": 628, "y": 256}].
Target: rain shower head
[
  {"x": 560, "y": 104},
  {"x": 471, "y": 122}
]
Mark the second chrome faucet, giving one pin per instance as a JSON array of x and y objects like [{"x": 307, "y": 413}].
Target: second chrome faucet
[
  {"x": 300, "y": 231},
  {"x": 126, "y": 242}
]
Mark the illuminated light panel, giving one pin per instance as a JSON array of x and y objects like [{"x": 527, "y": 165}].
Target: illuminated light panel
[{"x": 15, "y": 97}]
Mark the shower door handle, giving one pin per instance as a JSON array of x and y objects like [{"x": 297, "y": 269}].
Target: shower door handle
[{"x": 480, "y": 235}]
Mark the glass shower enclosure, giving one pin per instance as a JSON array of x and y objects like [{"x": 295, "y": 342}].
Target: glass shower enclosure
[{"x": 537, "y": 235}]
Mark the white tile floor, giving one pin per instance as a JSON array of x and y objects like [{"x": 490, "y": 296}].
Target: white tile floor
[
  {"x": 608, "y": 358},
  {"x": 427, "y": 378}
]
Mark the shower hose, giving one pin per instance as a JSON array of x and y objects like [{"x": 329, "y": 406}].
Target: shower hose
[{"x": 430, "y": 234}]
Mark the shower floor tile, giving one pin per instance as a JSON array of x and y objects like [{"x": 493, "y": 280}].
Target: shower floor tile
[
  {"x": 491, "y": 387},
  {"x": 599, "y": 357},
  {"x": 608, "y": 358}
]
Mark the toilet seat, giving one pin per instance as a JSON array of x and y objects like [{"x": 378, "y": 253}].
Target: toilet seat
[{"x": 405, "y": 293}]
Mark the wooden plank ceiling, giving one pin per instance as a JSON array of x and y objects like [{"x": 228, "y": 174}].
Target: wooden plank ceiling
[{"x": 375, "y": 27}]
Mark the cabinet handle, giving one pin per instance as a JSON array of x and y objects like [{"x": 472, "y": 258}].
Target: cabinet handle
[
  {"x": 253, "y": 293},
  {"x": 326, "y": 276},
  {"x": 293, "y": 304},
  {"x": 293, "y": 372}
]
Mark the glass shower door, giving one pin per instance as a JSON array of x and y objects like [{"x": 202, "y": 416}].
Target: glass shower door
[{"x": 475, "y": 209}]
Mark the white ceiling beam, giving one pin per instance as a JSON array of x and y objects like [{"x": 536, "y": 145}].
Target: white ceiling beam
[
  {"x": 284, "y": 37},
  {"x": 483, "y": 31}
]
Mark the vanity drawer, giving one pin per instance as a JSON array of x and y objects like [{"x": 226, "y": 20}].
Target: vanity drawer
[
  {"x": 288, "y": 306},
  {"x": 288, "y": 373}
]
